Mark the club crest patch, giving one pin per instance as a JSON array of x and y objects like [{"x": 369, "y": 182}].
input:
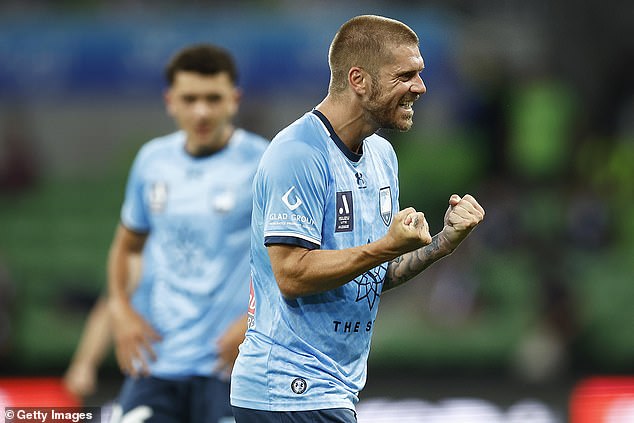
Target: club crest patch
[
  {"x": 345, "y": 212},
  {"x": 299, "y": 385},
  {"x": 223, "y": 202},
  {"x": 385, "y": 205}
]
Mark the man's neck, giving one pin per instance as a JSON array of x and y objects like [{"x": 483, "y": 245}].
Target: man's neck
[
  {"x": 347, "y": 120},
  {"x": 220, "y": 141}
]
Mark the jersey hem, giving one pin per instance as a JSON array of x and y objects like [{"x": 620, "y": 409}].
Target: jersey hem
[{"x": 290, "y": 406}]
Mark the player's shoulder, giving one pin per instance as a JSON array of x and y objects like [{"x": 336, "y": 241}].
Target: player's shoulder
[
  {"x": 304, "y": 136},
  {"x": 298, "y": 147},
  {"x": 251, "y": 141},
  {"x": 164, "y": 144}
]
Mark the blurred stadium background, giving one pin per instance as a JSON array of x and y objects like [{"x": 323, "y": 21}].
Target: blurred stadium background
[{"x": 530, "y": 107}]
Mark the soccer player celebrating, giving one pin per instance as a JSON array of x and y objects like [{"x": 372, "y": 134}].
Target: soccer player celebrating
[{"x": 328, "y": 237}]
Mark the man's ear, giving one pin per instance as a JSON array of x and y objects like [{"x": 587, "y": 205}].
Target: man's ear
[
  {"x": 168, "y": 101},
  {"x": 237, "y": 96},
  {"x": 358, "y": 80}
]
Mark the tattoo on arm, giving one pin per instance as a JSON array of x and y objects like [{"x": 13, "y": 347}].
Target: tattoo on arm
[{"x": 405, "y": 267}]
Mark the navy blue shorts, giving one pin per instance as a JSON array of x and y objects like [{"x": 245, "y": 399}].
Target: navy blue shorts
[
  {"x": 194, "y": 399},
  {"x": 332, "y": 415}
]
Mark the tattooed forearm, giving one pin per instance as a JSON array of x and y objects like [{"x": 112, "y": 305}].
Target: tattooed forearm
[{"x": 405, "y": 267}]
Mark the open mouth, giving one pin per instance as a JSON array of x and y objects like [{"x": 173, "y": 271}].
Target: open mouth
[
  {"x": 202, "y": 130},
  {"x": 407, "y": 105}
]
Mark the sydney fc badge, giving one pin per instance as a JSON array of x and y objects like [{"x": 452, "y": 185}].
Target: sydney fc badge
[{"x": 385, "y": 205}]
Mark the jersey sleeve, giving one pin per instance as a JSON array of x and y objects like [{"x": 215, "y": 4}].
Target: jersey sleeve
[
  {"x": 293, "y": 193},
  {"x": 134, "y": 214}
]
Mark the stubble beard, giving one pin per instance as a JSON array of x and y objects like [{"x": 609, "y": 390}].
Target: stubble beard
[{"x": 384, "y": 115}]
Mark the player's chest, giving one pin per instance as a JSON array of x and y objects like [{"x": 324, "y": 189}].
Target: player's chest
[
  {"x": 196, "y": 191},
  {"x": 362, "y": 198}
]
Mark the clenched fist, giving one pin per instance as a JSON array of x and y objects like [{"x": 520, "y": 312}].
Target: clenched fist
[
  {"x": 409, "y": 230},
  {"x": 462, "y": 215}
]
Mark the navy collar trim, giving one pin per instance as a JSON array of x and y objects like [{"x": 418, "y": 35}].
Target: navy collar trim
[{"x": 355, "y": 157}]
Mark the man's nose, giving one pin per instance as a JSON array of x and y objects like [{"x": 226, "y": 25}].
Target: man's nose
[
  {"x": 201, "y": 108},
  {"x": 418, "y": 86}
]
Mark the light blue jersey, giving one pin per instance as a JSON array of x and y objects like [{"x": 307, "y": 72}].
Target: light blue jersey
[
  {"x": 197, "y": 212},
  {"x": 311, "y": 190}
]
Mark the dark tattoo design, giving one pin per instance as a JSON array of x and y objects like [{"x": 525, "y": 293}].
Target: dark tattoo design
[{"x": 405, "y": 267}]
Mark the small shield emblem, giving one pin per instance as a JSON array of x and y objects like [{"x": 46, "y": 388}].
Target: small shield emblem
[{"x": 385, "y": 205}]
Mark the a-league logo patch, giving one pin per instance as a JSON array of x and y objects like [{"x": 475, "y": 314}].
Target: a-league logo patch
[
  {"x": 345, "y": 212},
  {"x": 299, "y": 385},
  {"x": 385, "y": 205},
  {"x": 157, "y": 196}
]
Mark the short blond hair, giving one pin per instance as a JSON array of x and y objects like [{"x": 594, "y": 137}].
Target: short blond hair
[{"x": 365, "y": 41}]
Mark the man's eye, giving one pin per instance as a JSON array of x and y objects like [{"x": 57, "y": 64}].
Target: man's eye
[{"x": 412, "y": 75}]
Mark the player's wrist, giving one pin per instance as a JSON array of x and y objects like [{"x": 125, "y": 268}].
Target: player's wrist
[
  {"x": 384, "y": 249},
  {"x": 118, "y": 304},
  {"x": 85, "y": 365},
  {"x": 446, "y": 243}
]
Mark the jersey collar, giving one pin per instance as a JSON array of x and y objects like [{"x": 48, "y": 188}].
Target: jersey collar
[{"x": 355, "y": 157}]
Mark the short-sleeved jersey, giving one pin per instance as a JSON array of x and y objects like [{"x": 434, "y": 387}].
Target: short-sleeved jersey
[
  {"x": 197, "y": 212},
  {"x": 310, "y": 190}
]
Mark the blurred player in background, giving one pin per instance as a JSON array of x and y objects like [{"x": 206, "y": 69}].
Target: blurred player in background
[
  {"x": 187, "y": 210},
  {"x": 81, "y": 376},
  {"x": 328, "y": 237}
]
